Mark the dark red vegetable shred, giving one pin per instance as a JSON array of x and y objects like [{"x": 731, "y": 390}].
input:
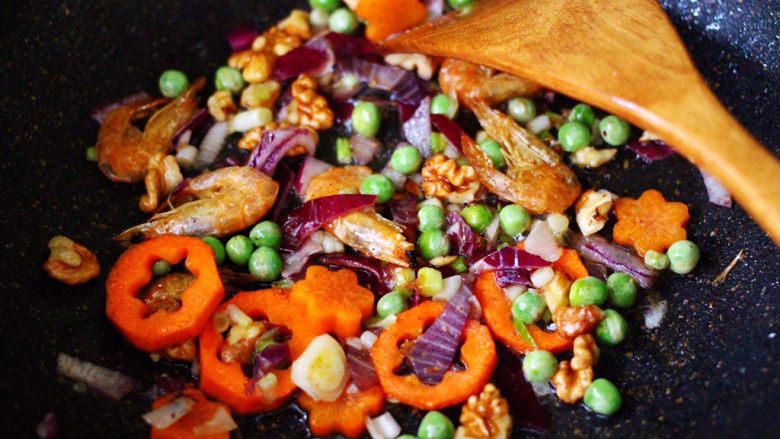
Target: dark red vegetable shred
[
  {"x": 370, "y": 271},
  {"x": 448, "y": 128},
  {"x": 527, "y": 413},
  {"x": 651, "y": 150},
  {"x": 312, "y": 215}
]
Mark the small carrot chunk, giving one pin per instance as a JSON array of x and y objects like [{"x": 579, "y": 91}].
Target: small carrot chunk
[
  {"x": 388, "y": 17},
  {"x": 346, "y": 415},
  {"x": 649, "y": 222}
]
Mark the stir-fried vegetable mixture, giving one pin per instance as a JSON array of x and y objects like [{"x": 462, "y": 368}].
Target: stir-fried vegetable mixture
[{"x": 403, "y": 230}]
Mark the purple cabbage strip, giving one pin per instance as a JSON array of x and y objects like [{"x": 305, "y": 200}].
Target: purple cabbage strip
[
  {"x": 650, "y": 150},
  {"x": 275, "y": 144},
  {"x": 369, "y": 270},
  {"x": 241, "y": 38},
  {"x": 434, "y": 352},
  {"x": 360, "y": 365},
  {"x": 403, "y": 210},
  {"x": 285, "y": 176},
  {"x": 347, "y": 46},
  {"x": 310, "y": 168},
  {"x": 508, "y": 258},
  {"x": 467, "y": 243},
  {"x": 597, "y": 248},
  {"x": 526, "y": 411},
  {"x": 312, "y": 215},
  {"x": 405, "y": 86},
  {"x": 417, "y": 129},
  {"x": 451, "y": 130},
  {"x": 267, "y": 360},
  {"x": 200, "y": 122},
  {"x": 296, "y": 261},
  {"x": 507, "y": 278},
  {"x": 363, "y": 149},
  {"x": 306, "y": 59}
]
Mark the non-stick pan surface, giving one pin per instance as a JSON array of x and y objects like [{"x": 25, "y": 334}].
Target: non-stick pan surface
[{"x": 712, "y": 369}]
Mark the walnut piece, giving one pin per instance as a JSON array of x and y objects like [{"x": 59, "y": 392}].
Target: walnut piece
[
  {"x": 221, "y": 105},
  {"x": 70, "y": 263},
  {"x": 296, "y": 24},
  {"x": 593, "y": 210},
  {"x": 413, "y": 62},
  {"x": 162, "y": 177},
  {"x": 590, "y": 157},
  {"x": 307, "y": 108},
  {"x": 485, "y": 416},
  {"x": 443, "y": 178},
  {"x": 573, "y": 321},
  {"x": 573, "y": 377}
]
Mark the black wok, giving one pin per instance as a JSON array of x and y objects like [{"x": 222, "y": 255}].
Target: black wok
[{"x": 711, "y": 370}]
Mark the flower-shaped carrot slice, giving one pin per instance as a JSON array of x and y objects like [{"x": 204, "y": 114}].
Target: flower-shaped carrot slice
[
  {"x": 346, "y": 415},
  {"x": 649, "y": 222},
  {"x": 332, "y": 301},
  {"x": 388, "y": 17}
]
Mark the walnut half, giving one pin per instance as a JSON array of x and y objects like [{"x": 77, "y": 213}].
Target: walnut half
[
  {"x": 573, "y": 377},
  {"x": 443, "y": 178},
  {"x": 485, "y": 416}
]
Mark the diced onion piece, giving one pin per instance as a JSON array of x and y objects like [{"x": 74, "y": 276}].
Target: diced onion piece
[
  {"x": 539, "y": 124},
  {"x": 513, "y": 291},
  {"x": 187, "y": 156},
  {"x": 212, "y": 144},
  {"x": 655, "y": 314},
  {"x": 237, "y": 316},
  {"x": 220, "y": 423},
  {"x": 167, "y": 415},
  {"x": 267, "y": 386},
  {"x": 321, "y": 371},
  {"x": 491, "y": 233},
  {"x": 451, "y": 286},
  {"x": 368, "y": 338},
  {"x": 540, "y": 242},
  {"x": 246, "y": 120},
  {"x": 110, "y": 382},
  {"x": 542, "y": 276},
  {"x": 221, "y": 321},
  {"x": 383, "y": 426}
]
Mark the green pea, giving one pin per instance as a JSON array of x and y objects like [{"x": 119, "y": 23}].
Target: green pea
[
  {"x": 514, "y": 219},
  {"x": 173, "y": 83},
  {"x": 366, "y": 119},
  {"x": 343, "y": 151},
  {"x": 493, "y": 150},
  {"x": 431, "y": 217},
  {"x": 528, "y": 307},
  {"x": 438, "y": 142},
  {"x": 266, "y": 233},
  {"x": 325, "y": 5},
  {"x": 228, "y": 78},
  {"x": 573, "y": 136},
  {"x": 239, "y": 249},
  {"x": 539, "y": 366},
  {"x": 217, "y": 248},
  {"x": 406, "y": 159},
  {"x": 613, "y": 329},
  {"x": 265, "y": 264},
  {"x": 433, "y": 243},
  {"x": 614, "y": 130},
  {"x": 343, "y": 21},
  {"x": 603, "y": 397},
  {"x": 622, "y": 289},
  {"x": 379, "y": 185},
  {"x": 459, "y": 265},
  {"x": 390, "y": 304},
  {"x": 444, "y": 105},
  {"x": 584, "y": 114},
  {"x": 460, "y": 4},
  {"x": 92, "y": 154},
  {"x": 683, "y": 256},
  {"x": 522, "y": 110},
  {"x": 656, "y": 260},
  {"x": 588, "y": 291},
  {"x": 161, "y": 268},
  {"x": 435, "y": 425},
  {"x": 477, "y": 216}
]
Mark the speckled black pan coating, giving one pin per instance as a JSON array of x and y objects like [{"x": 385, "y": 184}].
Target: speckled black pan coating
[{"x": 711, "y": 370}]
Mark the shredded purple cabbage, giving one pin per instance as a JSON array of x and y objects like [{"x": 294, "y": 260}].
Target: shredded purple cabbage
[
  {"x": 370, "y": 271},
  {"x": 285, "y": 176},
  {"x": 650, "y": 150},
  {"x": 275, "y": 144},
  {"x": 597, "y": 248},
  {"x": 360, "y": 365},
  {"x": 296, "y": 261},
  {"x": 303, "y": 60},
  {"x": 417, "y": 129},
  {"x": 405, "y": 86},
  {"x": 363, "y": 149},
  {"x": 308, "y": 170},
  {"x": 199, "y": 123},
  {"x": 348, "y": 46},
  {"x": 508, "y": 258},
  {"x": 448, "y": 128},
  {"x": 241, "y": 38},
  {"x": 507, "y": 278},
  {"x": 403, "y": 210},
  {"x": 312, "y": 215},
  {"x": 467, "y": 243},
  {"x": 267, "y": 360},
  {"x": 434, "y": 352},
  {"x": 527, "y": 413}
]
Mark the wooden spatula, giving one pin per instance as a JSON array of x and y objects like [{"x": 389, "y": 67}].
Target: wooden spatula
[{"x": 624, "y": 57}]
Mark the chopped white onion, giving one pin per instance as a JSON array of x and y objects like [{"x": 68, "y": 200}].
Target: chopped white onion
[
  {"x": 513, "y": 291},
  {"x": 475, "y": 312},
  {"x": 541, "y": 242},
  {"x": 184, "y": 140},
  {"x": 491, "y": 233},
  {"x": 212, "y": 144},
  {"x": 539, "y": 124},
  {"x": 237, "y": 316},
  {"x": 542, "y": 276},
  {"x": 246, "y": 120},
  {"x": 220, "y": 423},
  {"x": 164, "y": 416},
  {"x": 110, "y": 382},
  {"x": 187, "y": 157},
  {"x": 558, "y": 223},
  {"x": 383, "y": 426},
  {"x": 451, "y": 286},
  {"x": 368, "y": 338},
  {"x": 267, "y": 386},
  {"x": 655, "y": 314}
]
